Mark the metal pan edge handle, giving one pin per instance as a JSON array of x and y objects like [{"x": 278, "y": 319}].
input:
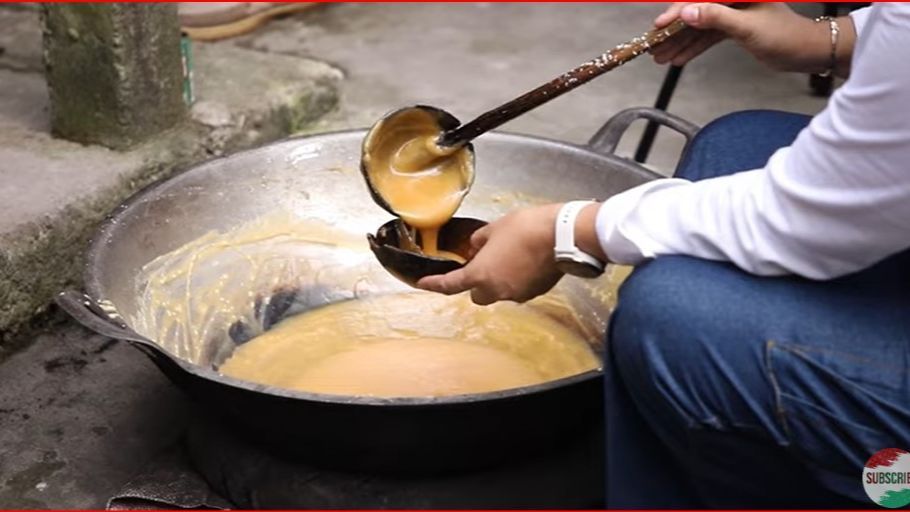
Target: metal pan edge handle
[
  {"x": 607, "y": 138},
  {"x": 89, "y": 314}
]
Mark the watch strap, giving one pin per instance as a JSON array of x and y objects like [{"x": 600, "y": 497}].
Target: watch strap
[{"x": 565, "y": 234}]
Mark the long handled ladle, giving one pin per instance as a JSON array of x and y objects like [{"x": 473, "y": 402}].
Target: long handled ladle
[
  {"x": 390, "y": 245},
  {"x": 452, "y": 139},
  {"x": 558, "y": 86}
]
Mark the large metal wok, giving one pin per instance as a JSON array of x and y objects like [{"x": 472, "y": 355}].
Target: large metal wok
[{"x": 302, "y": 175}]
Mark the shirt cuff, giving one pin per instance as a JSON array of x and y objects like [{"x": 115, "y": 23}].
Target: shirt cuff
[
  {"x": 859, "y": 17},
  {"x": 622, "y": 240}
]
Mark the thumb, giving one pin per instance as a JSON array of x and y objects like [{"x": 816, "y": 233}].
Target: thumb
[
  {"x": 718, "y": 17},
  {"x": 478, "y": 240}
]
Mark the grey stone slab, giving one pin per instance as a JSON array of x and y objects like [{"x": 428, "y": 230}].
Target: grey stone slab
[{"x": 40, "y": 174}]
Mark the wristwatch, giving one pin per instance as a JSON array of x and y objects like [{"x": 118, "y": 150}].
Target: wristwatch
[{"x": 569, "y": 258}]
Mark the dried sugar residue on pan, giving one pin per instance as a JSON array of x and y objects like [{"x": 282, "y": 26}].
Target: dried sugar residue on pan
[{"x": 193, "y": 296}]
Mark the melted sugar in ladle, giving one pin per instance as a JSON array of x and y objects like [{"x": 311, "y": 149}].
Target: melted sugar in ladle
[{"x": 420, "y": 153}]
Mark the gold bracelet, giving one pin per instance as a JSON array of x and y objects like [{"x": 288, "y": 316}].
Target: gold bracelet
[{"x": 835, "y": 33}]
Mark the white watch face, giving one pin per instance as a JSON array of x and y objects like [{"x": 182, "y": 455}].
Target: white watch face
[{"x": 577, "y": 268}]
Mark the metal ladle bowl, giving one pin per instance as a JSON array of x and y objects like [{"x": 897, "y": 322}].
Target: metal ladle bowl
[
  {"x": 395, "y": 245},
  {"x": 444, "y": 121}
]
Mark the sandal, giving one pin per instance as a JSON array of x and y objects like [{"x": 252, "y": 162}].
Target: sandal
[{"x": 209, "y": 21}]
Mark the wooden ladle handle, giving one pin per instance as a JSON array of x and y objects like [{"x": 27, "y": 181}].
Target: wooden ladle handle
[{"x": 560, "y": 85}]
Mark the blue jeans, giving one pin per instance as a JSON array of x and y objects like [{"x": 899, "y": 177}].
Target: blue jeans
[{"x": 726, "y": 389}]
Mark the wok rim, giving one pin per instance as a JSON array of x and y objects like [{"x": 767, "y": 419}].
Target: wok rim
[{"x": 91, "y": 278}]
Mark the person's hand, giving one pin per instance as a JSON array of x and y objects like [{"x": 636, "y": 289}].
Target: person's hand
[
  {"x": 772, "y": 32},
  {"x": 513, "y": 259}
]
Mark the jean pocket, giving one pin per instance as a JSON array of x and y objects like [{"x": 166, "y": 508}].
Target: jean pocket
[{"x": 838, "y": 408}]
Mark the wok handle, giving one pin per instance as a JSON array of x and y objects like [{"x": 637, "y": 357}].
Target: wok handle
[
  {"x": 607, "y": 138},
  {"x": 91, "y": 315}
]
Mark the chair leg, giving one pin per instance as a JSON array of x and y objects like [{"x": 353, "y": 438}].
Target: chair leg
[{"x": 662, "y": 102}]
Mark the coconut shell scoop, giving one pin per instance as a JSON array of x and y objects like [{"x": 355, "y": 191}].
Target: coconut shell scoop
[{"x": 397, "y": 250}]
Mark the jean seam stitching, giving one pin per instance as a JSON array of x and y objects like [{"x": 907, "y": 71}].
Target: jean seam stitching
[
  {"x": 805, "y": 350},
  {"x": 779, "y": 410}
]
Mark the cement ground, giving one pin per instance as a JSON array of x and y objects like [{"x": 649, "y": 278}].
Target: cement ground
[{"x": 80, "y": 414}]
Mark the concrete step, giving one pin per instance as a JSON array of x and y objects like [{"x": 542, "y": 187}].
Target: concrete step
[{"x": 53, "y": 192}]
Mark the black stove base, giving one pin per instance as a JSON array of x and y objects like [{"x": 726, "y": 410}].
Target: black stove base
[{"x": 250, "y": 477}]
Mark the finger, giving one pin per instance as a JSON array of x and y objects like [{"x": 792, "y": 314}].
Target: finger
[
  {"x": 667, "y": 17},
  {"x": 679, "y": 40},
  {"x": 665, "y": 52},
  {"x": 718, "y": 17},
  {"x": 482, "y": 296},
  {"x": 454, "y": 282},
  {"x": 696, "y": 49}
]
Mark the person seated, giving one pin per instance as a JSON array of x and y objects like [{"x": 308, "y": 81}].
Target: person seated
[{"x": 759, "y": 352}]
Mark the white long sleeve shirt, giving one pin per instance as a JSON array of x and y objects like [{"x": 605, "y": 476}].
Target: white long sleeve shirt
[{"x": 836, "y": 201}]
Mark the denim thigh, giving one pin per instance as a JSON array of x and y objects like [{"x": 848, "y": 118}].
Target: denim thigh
[{"x": 817, "y": 369}]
